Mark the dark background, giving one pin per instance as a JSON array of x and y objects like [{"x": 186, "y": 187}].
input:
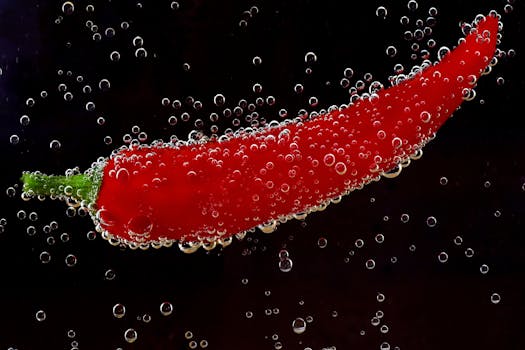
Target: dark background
[{"x": 429, "y": 305}]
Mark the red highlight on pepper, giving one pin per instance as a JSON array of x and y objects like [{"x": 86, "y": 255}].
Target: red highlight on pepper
[{"x": 204, "y": 193}]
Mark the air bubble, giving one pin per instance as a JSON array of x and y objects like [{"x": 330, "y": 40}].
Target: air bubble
[
  {"x": 381, "y": 12},
  {"x": 219, "y": 100},
  {"x": 283, "y": 254},
  {"x": 310, "y": 57},
  {"x": 141, "y": 53},
  {"x": 425, "y": 116},
  {"x": 285, "y": 265},
  {"x": 14, "y": 139},
  {"x": 40, "y": 315},
  {"x": 130, "y": 335},
  {"x": 370, "y": 264},
  {"x": 257, "y": 88},
  {"x": 298, "y": 88},
  {"x": 110, "y": 274},
  {"x": 24, "y": 120},
  {"x": 138, "y": 41},
  {"x": 119, "y": 310},
  {"x": 55, "y": 145},
  {"x": 71, "y": 260},
  {"x": 443, "y": 257},
  {"x": 257, "y": 61},
  {"x": 68, "y": 7},
  {"x": 114, "y": 56},
  {"x": 431, "y": 221},
  {"x": 45, "y": 257},
  {"x": 412, "y": 5},
  {"x": 495, "y": 298},
  {"x": 329, "y": 159},
  {"x": 104, "y": 84},
  {"x": 109, "y": 32},
  {"x": 90, "y": 106},
  {"x": 10, "y": 192},
  {"x": 380, "y": 297},
  {"x": 166, "y": 308},
  {"x": 391, "y": 51}
]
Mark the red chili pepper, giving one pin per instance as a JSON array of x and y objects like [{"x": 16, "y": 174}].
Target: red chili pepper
[{"x": 204, "y": 193}]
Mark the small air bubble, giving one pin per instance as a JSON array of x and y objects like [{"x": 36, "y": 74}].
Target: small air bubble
[
  {"x": 431, "y": 221},
  {"x": 495, "y": 298},
  {"x": 443, "y": 257},
  {"x": 458, "y": 240},
  {"x": 45, "y": 257},
  {"x": 370, "y": 264},
  {"x": 55, "y": 145},
  {"x": 391, "y": 51},
  {"x": 68, "y": 7},
  {"x": 130, "y": 335},
  {"x": 310, "y": 57},
  {"x": 412, "y": 5},
  {"x": 285, "y": 265},
  {"x": 119, "y": 310},
  {"x": 90, "y": 106},
  {"x": 40, "y": 315},
  {"x": 141, "y": 53},
  {"x": 381, "y": 12},
  {"x": 114, "y": 56},
  {"x": 257, "y": 61},
  {"x": 24, "y": 120},
  {"x": 71, "y": 260},
  {"x": 104, "y": 84},
  {"x": 110, "y": 274},
  {"x": 166, "y": 308},
  {"x": 219, "y": 100},
  {"x": 14, "y": 139}
]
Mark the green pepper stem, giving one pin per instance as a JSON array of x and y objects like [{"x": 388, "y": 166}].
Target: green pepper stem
[{"x": 75, "y": 186}]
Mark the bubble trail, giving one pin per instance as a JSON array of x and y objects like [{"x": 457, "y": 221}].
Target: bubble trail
[{"x": 201, "y": 193}]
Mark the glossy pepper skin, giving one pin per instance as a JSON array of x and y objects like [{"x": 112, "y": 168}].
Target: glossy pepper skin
[{"x": 203, "y": 193}]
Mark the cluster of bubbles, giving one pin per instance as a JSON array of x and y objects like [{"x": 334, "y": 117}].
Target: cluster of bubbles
[
  {"x": 247, "y": 16},
  {"x": 131, "y": 335},
  {"x": 421, "y": 43},
  {"x": 285, "y": 262},
  {"x": 194, "y": 344}
]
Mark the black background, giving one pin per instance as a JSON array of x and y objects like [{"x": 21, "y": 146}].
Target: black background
[{"x": 429, "y": 305}]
